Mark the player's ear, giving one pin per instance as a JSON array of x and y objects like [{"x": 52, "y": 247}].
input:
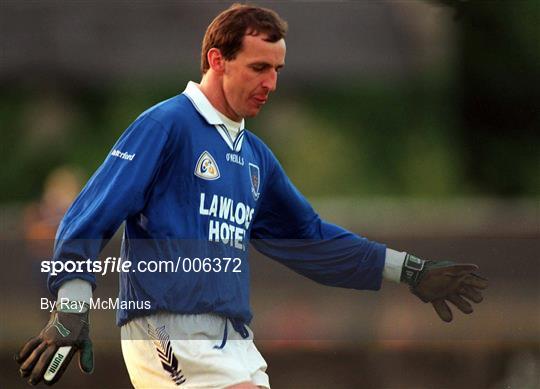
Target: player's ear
[{"x": 216, "y": 60}]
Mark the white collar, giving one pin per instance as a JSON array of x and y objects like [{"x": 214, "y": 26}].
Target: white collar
[
  {"x": 203, "y": 105},
  {"x": 233, "y": 127}
]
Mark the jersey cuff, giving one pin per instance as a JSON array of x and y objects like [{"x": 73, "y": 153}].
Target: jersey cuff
[
  {"x": 76, "y": 290},
  {"x": 393, "y": 265}
]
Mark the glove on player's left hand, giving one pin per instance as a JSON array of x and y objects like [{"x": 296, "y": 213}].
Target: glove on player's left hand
[
  {"x": 437, "y": 282},
  {"x": 46, "y": 356}
]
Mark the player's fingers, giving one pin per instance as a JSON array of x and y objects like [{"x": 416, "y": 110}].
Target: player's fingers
[
  {"x": 26, "y": 349},
  {"x": 462, "y": 304},
  {"x": 443, "y": 310},
  {"x": 37, "y": 373},
  {"x": 475, "y": 281},
  {"x": 471, "y": 293},
  {"x": 28, "y": 364}
]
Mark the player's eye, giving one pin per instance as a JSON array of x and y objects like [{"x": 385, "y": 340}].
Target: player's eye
[{"x": 259, "y": 67}]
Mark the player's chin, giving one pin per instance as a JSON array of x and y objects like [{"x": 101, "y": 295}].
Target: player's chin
[{"x": 252, "y": 112}]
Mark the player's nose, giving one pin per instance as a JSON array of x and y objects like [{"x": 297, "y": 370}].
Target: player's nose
[{"x": 270, "y": 81}]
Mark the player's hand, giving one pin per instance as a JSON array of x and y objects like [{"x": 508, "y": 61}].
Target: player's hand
[
  {"x": 438, "y": 282},
  {"x": 46, "y": 356}
]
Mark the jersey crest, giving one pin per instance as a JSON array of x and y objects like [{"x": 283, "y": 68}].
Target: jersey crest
[
  {"x": 255, "y": 178},
  {"x": 206, "y": 167}
]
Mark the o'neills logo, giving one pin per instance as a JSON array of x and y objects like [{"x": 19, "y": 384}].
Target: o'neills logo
[{"x": 120, "y": 154}]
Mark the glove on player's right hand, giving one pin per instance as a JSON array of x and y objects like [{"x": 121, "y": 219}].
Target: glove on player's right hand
[
  {"x": 47, "y": 355},
  {"x": 438, "y": 282}
]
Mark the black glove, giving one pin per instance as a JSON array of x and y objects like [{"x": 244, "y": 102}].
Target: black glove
[
  {"x": 435, "y": 282},
  {"x": 47, "y": 355}
]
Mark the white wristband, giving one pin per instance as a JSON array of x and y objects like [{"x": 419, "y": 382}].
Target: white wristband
[
  {"x": 76, "y": 290},
  {"x": 393, "y": 265}
]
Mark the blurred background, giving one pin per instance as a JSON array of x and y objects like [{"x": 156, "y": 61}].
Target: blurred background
[{"x": 413, "y": 123}]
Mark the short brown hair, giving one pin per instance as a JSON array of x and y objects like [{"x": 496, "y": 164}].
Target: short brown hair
[{"x": 227, "y": 30}]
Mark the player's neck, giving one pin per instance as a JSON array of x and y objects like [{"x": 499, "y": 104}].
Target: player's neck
[{"x": 213, "y": 91}]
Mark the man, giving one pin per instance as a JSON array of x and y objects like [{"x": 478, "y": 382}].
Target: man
[{"x": 190, "y": 182}]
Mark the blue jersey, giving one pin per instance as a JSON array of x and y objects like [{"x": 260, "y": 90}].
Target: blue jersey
[{"x": 186, "y": 189}]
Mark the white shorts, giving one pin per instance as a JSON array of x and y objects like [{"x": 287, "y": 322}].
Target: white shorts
[{"x": 167, "y": 350}]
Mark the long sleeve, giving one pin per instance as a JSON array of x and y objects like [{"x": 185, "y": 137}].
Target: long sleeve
[
  {"x": 288, "y": 230},
  {"x": 117, "y": 190}
]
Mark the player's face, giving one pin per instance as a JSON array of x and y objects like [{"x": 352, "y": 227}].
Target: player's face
[{"x": 249, "y": 78}]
